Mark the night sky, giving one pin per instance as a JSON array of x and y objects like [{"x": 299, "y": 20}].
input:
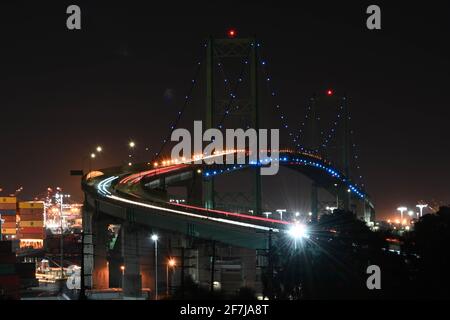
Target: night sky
[{"x": 125, "y": 74}]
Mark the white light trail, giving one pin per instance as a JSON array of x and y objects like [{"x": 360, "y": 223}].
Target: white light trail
[{"x": 242, "y": 224}]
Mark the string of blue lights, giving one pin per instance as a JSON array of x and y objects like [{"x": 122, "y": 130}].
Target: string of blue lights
[
  {"x": 328, "y": 137},
  {"x": 282, "y": 116}
]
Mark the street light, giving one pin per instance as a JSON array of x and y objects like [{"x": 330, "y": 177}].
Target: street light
[
  {"x": 170, "y": 263},
  {"x": 401, "y": 209},
  {"x": 99, "y": 149},
  {"x": 421, "y": 207},
  {"x": 410, "y": 213},
  {"x": 267, "y": 213},
  {"x": 280, "y": 211},
  {"x": 131, "y": 144},
  {"x": 61, "y": 243},
  {"x": 155, "y": 238},
  {"x": 1, "y": 222},
  {"x": 122, "y": 268},
  {"x": 91, "y": 157}
]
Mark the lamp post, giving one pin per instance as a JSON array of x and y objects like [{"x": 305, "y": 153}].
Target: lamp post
[
  {"x": 331, "y": 209},
  {"x": 421, "y": 207},
  {"x": 122, "y": 268},
  {"x": 267, "y": 214},
  {"x": 154, "y": 237},
  {"x": 61, "y": 202},
  {"x": 131, "y": 145},
  {"x": 1, "y": 223},
  {"x": 401, "y": 209},
  {"x": 280, "y": 211},
  {"x": 91, "y": 157},
  {"x": 170, "y": 263}
]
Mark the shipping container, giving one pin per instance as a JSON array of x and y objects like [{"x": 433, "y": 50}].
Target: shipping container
[
  {"x": 33, "y": 236},
  {"x": 7, "y": 225},
  {"x": 31, "y": 205},
  {"x": 30, "y": 218},
  {"x": 6, "y": 231},
  {"x": 28, "y": 210},
  {"x": 32, "y": 223},
  {"x": 9, "y": 218},
  {"x": 31, "y": 211},
  {"x": 8, "y": 206},
  {"x": 8, "y": 200},
  {"x": 31, "y": 229},
  {"x": 35, "y": 217},
  {"x": 8, "y": 212}
]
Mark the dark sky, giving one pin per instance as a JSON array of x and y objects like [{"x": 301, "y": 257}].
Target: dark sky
[{"x": 124, "y": 75}]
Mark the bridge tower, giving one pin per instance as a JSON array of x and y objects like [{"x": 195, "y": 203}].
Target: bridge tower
[
  {"x": 232, "y": 48},
  {"x": 343, "y": 146}
]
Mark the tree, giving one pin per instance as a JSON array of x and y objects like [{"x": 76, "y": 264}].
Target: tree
[{"x": 431, "y": 241}]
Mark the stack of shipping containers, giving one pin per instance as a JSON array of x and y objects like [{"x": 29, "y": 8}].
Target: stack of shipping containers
[
  {"x": 8, "y": 207},
  {"x": 31, "y": 224}
]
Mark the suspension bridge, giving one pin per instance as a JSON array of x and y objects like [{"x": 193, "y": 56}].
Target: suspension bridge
[{"x": 199, "y": 230}]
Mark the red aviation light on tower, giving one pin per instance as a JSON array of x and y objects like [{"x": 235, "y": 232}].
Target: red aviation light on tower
[
  {"x": 329, "y": 92},
  {"x": 231, "y": 33}
]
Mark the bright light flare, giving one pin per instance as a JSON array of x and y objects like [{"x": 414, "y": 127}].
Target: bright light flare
[
  {"x": 154, "y": 237},
  {"x": 298, "y": 231}
]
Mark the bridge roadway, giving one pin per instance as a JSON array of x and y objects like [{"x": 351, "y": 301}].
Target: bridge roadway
[{"x": 135, "y": 196}]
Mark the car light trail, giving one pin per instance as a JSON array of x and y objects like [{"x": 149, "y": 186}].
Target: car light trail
[
  {"x": 104, "y": 184},
  {"x": 134, "y": 178},
  {"x": 234, "y": 214},
  {"x": 237, "y": 223}
]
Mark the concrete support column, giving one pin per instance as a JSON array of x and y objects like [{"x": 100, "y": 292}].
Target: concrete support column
[
  {"x": 132, "y": 283},
  {"x": 100, "y": 274},
  {"x": 195, "y": 189}
]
